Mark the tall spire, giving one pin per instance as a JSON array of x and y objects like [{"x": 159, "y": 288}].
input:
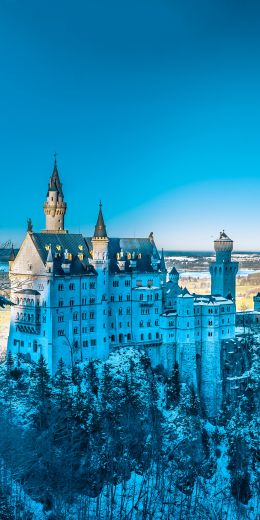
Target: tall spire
[
  {"x": 12, "y": 254},
  {"x": 55, "y": 184},
  {"x": 162, "y": 262},
  {"x": 100, "y": 228}
]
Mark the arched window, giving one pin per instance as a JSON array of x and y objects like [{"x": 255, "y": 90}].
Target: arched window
[
  {"x": 142, "y": 337},
  {"x": 149, "y": 335},
  {"x": 128, "y": 337},
  {"x": 113, "y": 338},
  {"x": 121, "y": 338}
]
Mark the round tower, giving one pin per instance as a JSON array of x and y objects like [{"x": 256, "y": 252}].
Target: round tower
[
  {"x": 223, "y": 271},
  {"x": 55, "y": 207}
]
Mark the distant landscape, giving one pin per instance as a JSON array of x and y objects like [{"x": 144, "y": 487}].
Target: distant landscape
[{"x": 193, "y": 267}]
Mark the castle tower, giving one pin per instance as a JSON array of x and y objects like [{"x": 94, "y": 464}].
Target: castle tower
[
  {"x": 55, "y": 207},
  {"x": 100, "y": 262},
  {"x": 100, "y": 239},
  {"x": 223, "y": 271}
]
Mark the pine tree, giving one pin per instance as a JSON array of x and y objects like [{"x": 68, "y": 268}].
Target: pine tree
[
  {"x": 9, "y": 364},
  {"x": 42, "y": 394},
  {"x": 173, "y": 387}
]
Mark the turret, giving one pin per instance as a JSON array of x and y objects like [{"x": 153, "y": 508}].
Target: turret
[
  {"x": 223, "y": 271},
  {"x": 55, "y": 207},
  {"x": 11, "y": 258},
  {"x": 100, "y": 239}
]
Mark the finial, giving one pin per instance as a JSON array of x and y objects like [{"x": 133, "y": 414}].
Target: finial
[
  {"x": 55, "y": 156},
  {"x": 100, "y": 204},
  {"x": 29, "y": 225}
]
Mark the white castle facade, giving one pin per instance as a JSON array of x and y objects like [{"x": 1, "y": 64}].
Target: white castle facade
[{"x": 82, "y": 297}]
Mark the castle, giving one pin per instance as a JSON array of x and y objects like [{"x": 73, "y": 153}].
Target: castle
[{"x": 81, "y": 297}]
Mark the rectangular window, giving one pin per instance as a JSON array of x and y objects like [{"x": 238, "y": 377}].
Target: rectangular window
[
  {"x": 85, "y": 343},
  {"x": 92, "y": 342}
]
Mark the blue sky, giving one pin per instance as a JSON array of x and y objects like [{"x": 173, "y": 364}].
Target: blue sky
[{"x": 151, "y": 105}]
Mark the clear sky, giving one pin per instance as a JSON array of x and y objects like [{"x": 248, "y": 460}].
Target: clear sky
[{"x": 151, "y": 105}]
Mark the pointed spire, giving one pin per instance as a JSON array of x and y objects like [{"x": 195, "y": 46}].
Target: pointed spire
[
  {"x": 55, "y": 183},
  {"x": 100, "y": 228},
  {"x": 49, "y": 257},
  {"x": 12, "y": 254},
  {"x": 29, "y": 225},
  {"x": 162, "y": 262}
]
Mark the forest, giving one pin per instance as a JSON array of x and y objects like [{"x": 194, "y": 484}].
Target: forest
[{"x": 120, "y": 440}]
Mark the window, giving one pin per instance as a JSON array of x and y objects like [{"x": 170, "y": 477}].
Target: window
[
  {"x": 141, "y": 297},
  {"x": 35, "y": 346},
  {"x": 188, "y": 312},
  {"x": 128, "y": 310},
  {"x": 210, "y": 322},
  {"x": 60, "y": 332},
  {"x": 120, "y": 311},
  {"x": 71, "y": 303},
  {"x": 156, "y": 297},
  {"x": 141, "y": 323},
  {"x": 112, "y": 325},
  {"x": 84, "y": 315},
  {"x": 157, "y": 335},
  {"x": 75, "y": 330},
  {"x": 92, "y": 329},
  {"x": 115, "y": 283},
  {"x": 60, "y": 303},
  {"x": 93, "y": 342},
  {"x": 71, "y": 286},
  {"x": 156, "y": 323},
  {"x": 84, "y": 330},
  {"x": 85, "y": 343},
  {"x": 75, "y": 316},
  {"x": 92, "y": 301},
  {"x": 120, "y": 298},
  {"x": 149, "y": 335},
  {"x": 92, "y": 315},
  {"x": 121, "y": 338},
  {"x": 188, "y": 324},
  {"x": 142, "y": 337},
  {"x": 170, "y": 323},
  {"x": 60, "y": 287},
  {"x": 112, "y": 298},
  {"x": 60, "y": 318},
  {"x": 92, "y": 285},
  {"x": 148, "y": 324},
  {"x": 120, "y": 325},
  {"x": 84, "y": 285},
  {"x": 84, "y": 301},
  {"x": 156, "y": 310},
  {"x": 128, "y": 337},
  {"x": 113, "y": 338},
  {"x": 127, "y": 283},
  {"x": 210, "y": 334},
  {"x": 110, "y": 312},
  {"x": 128, "y": 297}
]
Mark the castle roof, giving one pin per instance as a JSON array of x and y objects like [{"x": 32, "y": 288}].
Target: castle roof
[
  {"x": 58, "y": 244},
  {"x": 142, "y": 250}
]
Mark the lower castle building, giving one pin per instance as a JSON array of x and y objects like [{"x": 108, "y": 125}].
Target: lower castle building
[{"x": 78, "y": 298}]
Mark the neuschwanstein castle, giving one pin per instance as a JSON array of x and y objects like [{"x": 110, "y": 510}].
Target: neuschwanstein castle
[{"x": 81, "y": 297}]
